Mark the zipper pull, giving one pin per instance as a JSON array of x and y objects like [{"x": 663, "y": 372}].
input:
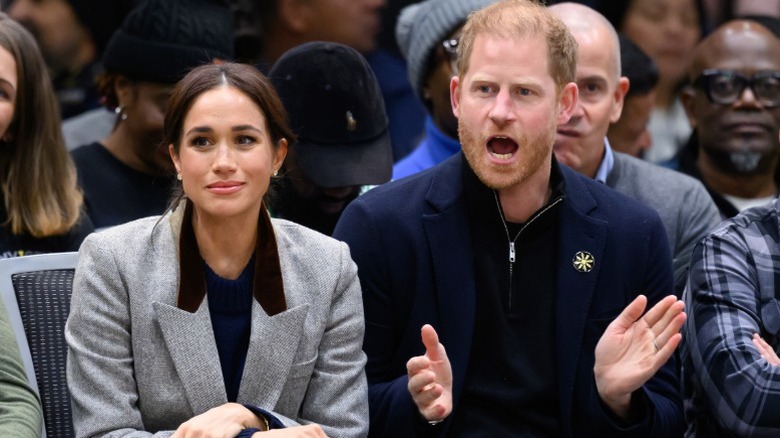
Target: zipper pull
[{"x": 511, "y": 252}]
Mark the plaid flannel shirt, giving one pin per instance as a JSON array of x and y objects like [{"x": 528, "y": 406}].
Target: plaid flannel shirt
[{"x": 731, "y": 294}]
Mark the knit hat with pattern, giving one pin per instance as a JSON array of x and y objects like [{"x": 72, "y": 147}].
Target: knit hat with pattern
[
  {"x": 161, "y": 40},
  {"x": 421, "y": 26}
]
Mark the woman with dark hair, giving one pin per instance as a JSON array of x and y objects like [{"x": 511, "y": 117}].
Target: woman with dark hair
[
  {"x": 667, "y": 31},
  {"x": 215, "y": 319},
  {"x": 41, "y": 208}
]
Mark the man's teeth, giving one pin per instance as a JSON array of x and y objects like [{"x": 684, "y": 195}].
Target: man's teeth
[{"x": 501, "y": 156}]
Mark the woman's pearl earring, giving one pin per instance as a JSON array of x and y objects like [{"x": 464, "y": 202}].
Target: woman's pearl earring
[
  {"x": 276, "y": 172},
  {"x": 178, "y": 176},
  {"x": 120, "y": 112}
]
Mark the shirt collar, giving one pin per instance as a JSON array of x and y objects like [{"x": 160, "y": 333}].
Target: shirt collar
[{"x": 606, "y": 163}]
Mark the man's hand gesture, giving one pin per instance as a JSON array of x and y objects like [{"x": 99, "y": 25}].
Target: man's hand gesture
[
  {"x": 430, "y": 378},
  {"x": 634, "y": 347}
]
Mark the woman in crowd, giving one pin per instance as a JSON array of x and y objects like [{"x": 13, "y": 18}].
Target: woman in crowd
[
  {"x": 666, "y": 30},
  {"x": 215, "y": 318},
  {"x": 159, "y": 41},
  {"x": 41, "y": 208}
]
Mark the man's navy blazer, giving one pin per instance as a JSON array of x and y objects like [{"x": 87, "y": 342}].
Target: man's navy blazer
[{"x": 412, "y": 243}]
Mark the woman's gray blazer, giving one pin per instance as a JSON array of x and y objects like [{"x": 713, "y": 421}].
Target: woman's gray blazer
[{"x": 137, "y": 364}]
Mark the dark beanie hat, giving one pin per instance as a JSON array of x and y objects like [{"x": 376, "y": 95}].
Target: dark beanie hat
[{"x": 161, "y": 40}]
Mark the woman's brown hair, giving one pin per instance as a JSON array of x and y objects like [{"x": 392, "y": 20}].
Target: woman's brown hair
[
  {"x": 39, "y": 185},
  {"x": 243, "y": 77}
]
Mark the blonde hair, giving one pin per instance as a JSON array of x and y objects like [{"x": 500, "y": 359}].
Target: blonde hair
[
  {"x": 523, "y": 19},
  {"x": 39, "y": 184}
]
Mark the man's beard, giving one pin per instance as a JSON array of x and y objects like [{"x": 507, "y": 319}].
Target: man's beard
[
  {"x": 534, "y": 152},
  {"x": 744, "y": 162}
]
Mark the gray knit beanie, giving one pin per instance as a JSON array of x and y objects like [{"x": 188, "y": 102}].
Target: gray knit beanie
[{"x": 421, "y": 26}]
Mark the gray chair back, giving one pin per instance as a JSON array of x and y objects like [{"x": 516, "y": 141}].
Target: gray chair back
[{"x": 36, "y": 291}]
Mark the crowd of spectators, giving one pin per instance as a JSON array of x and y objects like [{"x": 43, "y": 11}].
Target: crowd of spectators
[{"x": 285, "y": 210}]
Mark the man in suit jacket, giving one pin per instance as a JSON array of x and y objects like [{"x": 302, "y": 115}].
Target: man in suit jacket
[
  {"x": 522, "y": 266},
  {"x": 683, "y": 203}
]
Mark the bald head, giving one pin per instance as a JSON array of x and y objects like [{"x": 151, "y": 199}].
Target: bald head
[
  {"x": 580, "y": 142},
  {"x": 742, "y": 42},
  {"x": 736, "y": 124},
  {"x": 592, "y": 31}
]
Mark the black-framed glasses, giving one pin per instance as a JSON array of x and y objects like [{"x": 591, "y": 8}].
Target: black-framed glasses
[
  {"x": 451, "y": 50},
  {"x": 724, "y": 87}
]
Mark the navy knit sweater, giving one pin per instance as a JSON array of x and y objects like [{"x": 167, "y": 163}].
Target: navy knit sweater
[{"x": 230, "y": 306}]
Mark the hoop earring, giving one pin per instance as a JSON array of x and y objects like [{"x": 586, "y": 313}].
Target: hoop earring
[{"x": 120, "y": 112}]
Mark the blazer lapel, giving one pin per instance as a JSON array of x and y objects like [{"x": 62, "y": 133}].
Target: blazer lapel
[
  {"x": 453, "y": 269},
  {"x": 189, "y": 338},
  {"x": 581, "y": 236},
  {"x": 273, "y": 345}
]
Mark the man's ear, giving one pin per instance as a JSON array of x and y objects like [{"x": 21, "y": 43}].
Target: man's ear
[
  {"x": 619, "y": 97},
  {"x": 567, "y": 102},
  {"x": 455, "y": 90}
]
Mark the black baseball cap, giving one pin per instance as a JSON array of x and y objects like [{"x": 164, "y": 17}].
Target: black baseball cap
[{"x": 337, "y": 111}]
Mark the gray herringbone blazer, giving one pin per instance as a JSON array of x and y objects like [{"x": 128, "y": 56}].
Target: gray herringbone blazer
[{"x": 139, "y": 365}]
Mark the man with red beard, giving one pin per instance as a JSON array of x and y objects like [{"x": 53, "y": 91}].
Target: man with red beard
[
  {"x": 530, "y": 272},
  {"x": 733, "y": 104}
]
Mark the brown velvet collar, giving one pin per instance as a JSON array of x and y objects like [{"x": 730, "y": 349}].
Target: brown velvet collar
[{"x": 268, "y": 288}]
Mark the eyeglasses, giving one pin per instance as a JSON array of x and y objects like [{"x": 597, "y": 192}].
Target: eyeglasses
[
  {"x": 724, "y": 87},
  {"x": 451, "y": 50}
]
